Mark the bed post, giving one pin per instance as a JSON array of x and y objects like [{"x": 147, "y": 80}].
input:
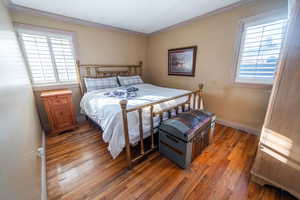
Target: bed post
[
  {"x": 141, "y": 68},
  {"x": 78, "y": 76},
  {"x": 200, "y": 95},
  {"x": 123, "y": 105}
]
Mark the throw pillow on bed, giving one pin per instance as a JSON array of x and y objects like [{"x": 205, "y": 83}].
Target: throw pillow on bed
[
  {"x": 130, "y": 80},
  {"x": 123, "y": 93},
  {"x": 100, "y": 83}
]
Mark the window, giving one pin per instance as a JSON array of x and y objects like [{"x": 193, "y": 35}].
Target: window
[
  {"x": 49, "y": 56},
  {"x": 260, "y": 50}
]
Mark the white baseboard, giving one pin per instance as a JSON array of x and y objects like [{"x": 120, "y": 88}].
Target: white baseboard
[
  {"x": 238, "y": 126},
  {"x": 43, "y": 169}
]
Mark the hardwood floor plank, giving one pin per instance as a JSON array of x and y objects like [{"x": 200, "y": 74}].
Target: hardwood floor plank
[
  {"x": 79, "y": 166},
  {"x": 134, "y": 176}
]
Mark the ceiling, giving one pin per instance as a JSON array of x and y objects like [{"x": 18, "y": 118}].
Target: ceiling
[{"x": 145, "y": 16}]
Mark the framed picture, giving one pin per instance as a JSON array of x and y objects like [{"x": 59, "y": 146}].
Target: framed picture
[{"x": 182, "y": 61}]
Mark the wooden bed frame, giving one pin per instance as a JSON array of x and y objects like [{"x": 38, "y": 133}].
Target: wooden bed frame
[{"x": 100, "y": 71}]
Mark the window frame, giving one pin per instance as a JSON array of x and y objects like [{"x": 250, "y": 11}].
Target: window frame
[
  {"x": 252, "y": 21},
  {"x": 38, "y": 30}
]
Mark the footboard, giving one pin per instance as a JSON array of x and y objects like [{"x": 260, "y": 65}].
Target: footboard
[{"x": 194, "y": 101}]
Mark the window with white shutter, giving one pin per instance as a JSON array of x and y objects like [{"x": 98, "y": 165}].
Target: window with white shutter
[
  {"x": 49, "y": 56},
  {"x": 260, "y": 50}
]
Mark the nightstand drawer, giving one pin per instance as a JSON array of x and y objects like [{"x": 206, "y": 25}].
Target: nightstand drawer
[{"x": 59, "y": 100}]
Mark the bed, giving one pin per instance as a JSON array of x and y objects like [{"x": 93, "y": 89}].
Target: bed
[{"x": 127, "y": 122}]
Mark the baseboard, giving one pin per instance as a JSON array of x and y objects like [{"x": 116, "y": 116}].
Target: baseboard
[
  {"x": 43, "y": 169},
  {"x": 238, "y": 126}
]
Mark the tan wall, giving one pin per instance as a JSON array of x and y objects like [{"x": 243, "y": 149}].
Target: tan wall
[
  {"x": 94, "y": 45},
  {"x": 215, "y": 37},
  {"x": 20, "y": 133}
]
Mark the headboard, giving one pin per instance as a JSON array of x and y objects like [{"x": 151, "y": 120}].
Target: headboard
[{"x": 101, "y": 71}]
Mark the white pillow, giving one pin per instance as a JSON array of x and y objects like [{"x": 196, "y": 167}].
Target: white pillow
[
  {"x": 100, "y": 83},
  {"x": 130, "y": 80}
]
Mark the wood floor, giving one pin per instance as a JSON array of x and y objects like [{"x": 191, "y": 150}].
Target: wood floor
[{"x": 80, "y": 167}]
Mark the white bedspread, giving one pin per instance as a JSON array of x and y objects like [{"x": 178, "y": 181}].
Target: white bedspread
[{"x": 106, "y": 112}]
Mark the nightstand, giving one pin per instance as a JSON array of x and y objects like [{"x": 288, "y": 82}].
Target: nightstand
[{"x": 60, "y": 110}]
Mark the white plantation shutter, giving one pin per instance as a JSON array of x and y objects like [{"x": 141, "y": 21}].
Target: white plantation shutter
[
  {"x": 49, "y": 56},
  {"x": 63, "y": 58},
  {"x": 260, "y": 51},
  {"x": 38, "y": 58}
]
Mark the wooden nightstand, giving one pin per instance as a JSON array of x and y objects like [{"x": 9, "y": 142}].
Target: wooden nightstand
[{"x": 60, "y": 110}]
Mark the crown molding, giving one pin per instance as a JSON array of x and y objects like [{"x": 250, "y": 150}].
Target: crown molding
[
  {"x": 18, "y": 8},
  {"x": 214, "y": 12}
]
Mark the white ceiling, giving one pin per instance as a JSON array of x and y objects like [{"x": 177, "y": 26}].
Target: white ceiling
[{"x": 145, "y": 16}]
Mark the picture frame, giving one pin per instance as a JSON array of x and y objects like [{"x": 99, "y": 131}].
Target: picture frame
[{"x": 182, "y": 61}]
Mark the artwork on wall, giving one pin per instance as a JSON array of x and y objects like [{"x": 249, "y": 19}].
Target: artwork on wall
[{"x": 182, "y": 61}]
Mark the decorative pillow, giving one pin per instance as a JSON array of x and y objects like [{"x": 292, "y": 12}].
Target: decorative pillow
[
  {"x": 130, "y": 80},
  {"x": 100, "y": 83},
  {"x": 123, "y": 93}
]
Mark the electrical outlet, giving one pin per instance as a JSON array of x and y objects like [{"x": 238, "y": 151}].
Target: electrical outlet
[{"x": 41, "y": 152}]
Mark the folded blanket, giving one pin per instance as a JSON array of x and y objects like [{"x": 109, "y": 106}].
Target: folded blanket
[{"x": 123, "y": 93}]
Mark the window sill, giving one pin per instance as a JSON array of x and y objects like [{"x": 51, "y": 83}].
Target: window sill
[
  {"x": 55, "y": 86},
  {"x": 254, "y": 85}
]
